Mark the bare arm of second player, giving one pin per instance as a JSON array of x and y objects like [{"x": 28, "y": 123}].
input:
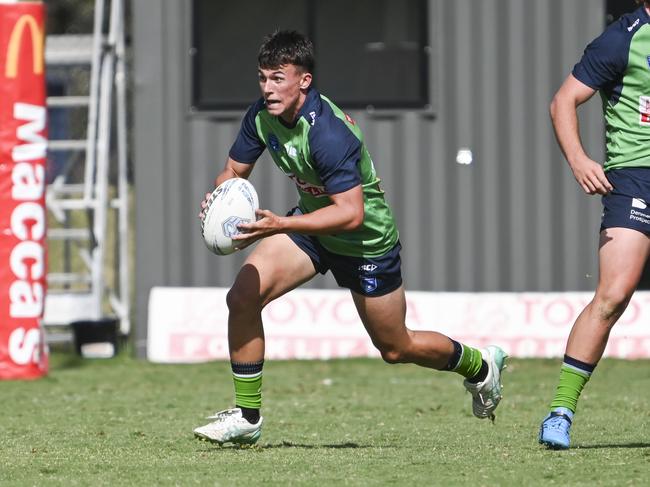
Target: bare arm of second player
[{"x": 564, "y": 114}]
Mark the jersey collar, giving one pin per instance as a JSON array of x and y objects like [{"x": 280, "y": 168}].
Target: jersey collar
[{"x": 311, "y": 108}]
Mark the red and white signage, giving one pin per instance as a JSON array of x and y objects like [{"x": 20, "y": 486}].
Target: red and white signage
[
  {"x": 23, "y": 144},
  {"x": 190, "y": 324}
]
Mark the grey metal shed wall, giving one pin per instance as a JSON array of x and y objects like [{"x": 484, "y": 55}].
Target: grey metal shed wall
[{"x": 514, "y": 220}]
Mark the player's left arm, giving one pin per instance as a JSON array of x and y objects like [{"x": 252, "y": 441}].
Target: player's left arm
[{"x": 346, "y": 213}]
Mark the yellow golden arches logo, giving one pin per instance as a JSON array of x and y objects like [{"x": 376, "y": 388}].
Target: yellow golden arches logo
[{"x": 15, "y": 41}]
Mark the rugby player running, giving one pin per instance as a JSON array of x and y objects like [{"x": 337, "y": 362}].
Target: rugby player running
[{"x": 342, "y": 224}]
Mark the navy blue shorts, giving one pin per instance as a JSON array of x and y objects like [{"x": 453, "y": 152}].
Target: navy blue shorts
[
  {"x": 368, "y": 276},
  {"x": 628, "y": 205}
]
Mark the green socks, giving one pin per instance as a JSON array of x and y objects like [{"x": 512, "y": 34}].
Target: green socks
[
  {"x": 248, "y": 384},
  {"x": 573, "y": 377},
  {"x": 466, "y": 361}
]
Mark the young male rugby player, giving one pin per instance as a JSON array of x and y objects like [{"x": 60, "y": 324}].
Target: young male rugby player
[
  {"x": 617, "y": 64},
  {"x": 342, "y": 224}
]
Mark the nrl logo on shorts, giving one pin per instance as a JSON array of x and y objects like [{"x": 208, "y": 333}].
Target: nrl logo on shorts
[{"x": 369, "y": 284}]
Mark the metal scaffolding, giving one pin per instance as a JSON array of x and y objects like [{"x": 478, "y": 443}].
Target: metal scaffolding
[{"x": 89, "y": 187}]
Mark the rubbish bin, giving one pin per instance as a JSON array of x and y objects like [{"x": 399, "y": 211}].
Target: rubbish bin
[{"x": 96, "y": 338}]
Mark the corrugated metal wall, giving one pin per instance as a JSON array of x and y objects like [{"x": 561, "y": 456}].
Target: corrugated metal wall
[{"x": 513, "y": 220}]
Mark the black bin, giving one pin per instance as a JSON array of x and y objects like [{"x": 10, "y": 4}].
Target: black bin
[{"x": 96, "y": 338}]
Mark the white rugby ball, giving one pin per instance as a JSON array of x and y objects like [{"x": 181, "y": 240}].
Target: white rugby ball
[{"x": 233, "y": 202}]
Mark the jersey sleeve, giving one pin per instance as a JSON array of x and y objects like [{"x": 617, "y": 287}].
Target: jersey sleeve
[
  {"x": 336, "y": 152},
  {"x": 605, "y": 59},
  {"x": 248, "y": 146}
]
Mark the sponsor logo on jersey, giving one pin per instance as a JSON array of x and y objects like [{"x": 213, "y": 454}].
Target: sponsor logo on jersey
[
  {"x": 644, "y": 110},
  {"x": 274, "y": 143},
  {"x": 313, "y": 118},
  {"x": 350, "y": 119},
  {"x": 307, "y": 187}
]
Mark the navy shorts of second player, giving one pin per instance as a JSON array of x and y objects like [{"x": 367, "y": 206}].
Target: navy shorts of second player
[
  {"x": 368, "y": 276},
  {"x": 628, "y": 205}
]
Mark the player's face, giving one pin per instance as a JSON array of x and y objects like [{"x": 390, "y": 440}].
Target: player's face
[{"x": 283, "y": 89}]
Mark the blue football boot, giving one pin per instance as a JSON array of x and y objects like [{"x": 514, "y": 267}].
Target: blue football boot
[{"x": 554, "y": 431}]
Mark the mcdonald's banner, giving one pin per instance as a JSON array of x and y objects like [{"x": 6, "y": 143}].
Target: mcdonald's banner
[{"x": 23, "y": 145}]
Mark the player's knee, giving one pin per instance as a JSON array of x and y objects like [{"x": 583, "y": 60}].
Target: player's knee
[
  {"x": 611, "y": 304},
  {"x": 240, "y": 300},
  {"x": 391, "y": 355}
]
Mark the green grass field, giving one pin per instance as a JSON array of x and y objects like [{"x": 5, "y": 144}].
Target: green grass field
[{"x": 348, "y": 422}]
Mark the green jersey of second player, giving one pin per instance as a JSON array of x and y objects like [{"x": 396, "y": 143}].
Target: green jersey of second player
[
  {"x": 323, "y": 153},
  {"x": 617, "y": 63}
]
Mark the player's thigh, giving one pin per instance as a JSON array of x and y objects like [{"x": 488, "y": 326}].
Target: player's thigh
[
  {"x": 276, "y": 266},
  {"x": 383, "y": 316},
  {"x": 622, "y": 257}
]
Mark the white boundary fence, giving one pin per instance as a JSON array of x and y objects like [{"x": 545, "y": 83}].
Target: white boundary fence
[{"x": 188, "y": 325}]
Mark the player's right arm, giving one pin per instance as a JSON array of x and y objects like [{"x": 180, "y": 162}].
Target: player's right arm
[
  {"x": 243, "y": 154},
  {"x": 246, "y": 149},
  {"x": 233, "y": 169},
  {"x": 564, "y": 115}
]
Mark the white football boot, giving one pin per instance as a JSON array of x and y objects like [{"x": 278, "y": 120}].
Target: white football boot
[
  {"x": 487, "y": 394},
  {"x": 230, "y": 426}
]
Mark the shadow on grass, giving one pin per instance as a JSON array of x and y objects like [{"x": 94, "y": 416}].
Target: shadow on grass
[
  {"x": 289, "y": 444},
  {"x": 613, "y": 445}
]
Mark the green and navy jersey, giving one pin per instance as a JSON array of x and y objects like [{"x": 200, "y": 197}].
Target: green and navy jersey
[
  {"x": 617, "y": 64},
  {"x": 323, "y": 152}
]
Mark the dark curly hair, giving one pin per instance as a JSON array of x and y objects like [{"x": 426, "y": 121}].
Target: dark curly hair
[{"x": 286, "y": 47}]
